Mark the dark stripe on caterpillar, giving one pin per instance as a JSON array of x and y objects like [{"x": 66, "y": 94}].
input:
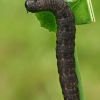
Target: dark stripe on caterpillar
[{"x": 65, "y": 43}]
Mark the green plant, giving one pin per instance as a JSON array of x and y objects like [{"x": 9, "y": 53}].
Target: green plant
[{"x": 83, "y": 15}]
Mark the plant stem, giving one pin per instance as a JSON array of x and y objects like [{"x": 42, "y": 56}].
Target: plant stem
[{"x": 80, "y": 87}]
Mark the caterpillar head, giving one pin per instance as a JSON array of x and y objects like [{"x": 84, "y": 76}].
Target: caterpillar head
[{"x": 36, "y": 5}]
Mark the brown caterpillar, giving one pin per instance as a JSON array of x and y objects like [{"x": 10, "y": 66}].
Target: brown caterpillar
[{"x": 65, "y": 43}]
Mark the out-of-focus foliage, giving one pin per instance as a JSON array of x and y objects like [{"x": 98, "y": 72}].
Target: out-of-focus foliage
[{"x": 28, "y": 69}]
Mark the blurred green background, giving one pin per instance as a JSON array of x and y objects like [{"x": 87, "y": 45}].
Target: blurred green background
[{"x": 28, "y": 69}]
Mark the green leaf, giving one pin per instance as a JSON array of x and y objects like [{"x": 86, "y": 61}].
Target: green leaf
[
  {"x": 47, "y": 20},
  {"x": 82, "y": 9}
]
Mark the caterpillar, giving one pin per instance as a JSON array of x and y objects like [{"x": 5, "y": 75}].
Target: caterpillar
[{"x": 65, "y": 43}]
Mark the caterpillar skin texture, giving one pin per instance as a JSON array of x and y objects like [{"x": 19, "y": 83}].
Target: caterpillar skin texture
[{"x": 65, "y": 43}]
